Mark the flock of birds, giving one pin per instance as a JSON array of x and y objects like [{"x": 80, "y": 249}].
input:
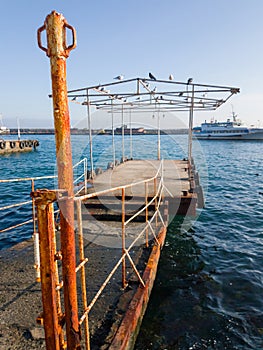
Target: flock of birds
[
  {"x": 120, "y": 77},
  {"x": 152, "y": 77}
]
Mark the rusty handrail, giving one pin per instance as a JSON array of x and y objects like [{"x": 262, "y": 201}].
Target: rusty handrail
[
  {"x": 27, "y": 178},
  {"x": 104, "y": 284},
  {"x": 32, "y": 201},
  {"x": 157, "y": 199},
  {"x": 36, "y": 178}
]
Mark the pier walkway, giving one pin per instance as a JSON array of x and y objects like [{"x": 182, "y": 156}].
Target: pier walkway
[
  {"x": 180, "y": 186},
  {"x": 175, "y": 174}
]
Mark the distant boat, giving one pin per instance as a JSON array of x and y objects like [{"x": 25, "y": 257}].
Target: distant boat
[
  {"x": 228, "y": 130},
  {"x": 3, "y": 129}
]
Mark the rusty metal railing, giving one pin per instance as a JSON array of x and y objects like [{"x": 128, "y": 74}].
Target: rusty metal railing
[
  {"x": 80, "y": 184},
  {"x": 156, "y": 199},
  {"x": 54, "y": 283}
]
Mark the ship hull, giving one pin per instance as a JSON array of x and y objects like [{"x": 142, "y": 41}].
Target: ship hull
[{"x": 250, "y": 136}]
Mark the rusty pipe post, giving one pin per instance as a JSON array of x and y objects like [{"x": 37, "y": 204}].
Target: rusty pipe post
[
  {"x": 190, "y": 131},
  {"x": 44, "y": 201},
  {"x": 146, "y": 215},
  {"x": 124, "y": 283},
  {"x": 35, "y": 236},
  {"x": 58, "y": 51}
]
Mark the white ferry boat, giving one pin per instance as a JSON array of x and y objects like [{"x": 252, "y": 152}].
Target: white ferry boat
[{"x": 228, "y": 130}]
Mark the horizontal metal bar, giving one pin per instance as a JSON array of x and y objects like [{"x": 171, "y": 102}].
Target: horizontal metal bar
[
  {"x": 78, "y": 178},
  {"x": 79, "y": 190},
  {"x": 15, "y": 226},
  {"x": 171, "y": 82},
  {"x": 81, "y": 264},
  {"x": 28, "y": 179},
  {"x": 15, "y": 205},
  {"x": 81, "y": 161},
  {"x": 36, "y": 178}
]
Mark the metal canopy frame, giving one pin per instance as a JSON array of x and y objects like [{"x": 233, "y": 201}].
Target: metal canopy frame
[
  {"x": 144, "y": 95},
  {"x": 147, "y": 95}
]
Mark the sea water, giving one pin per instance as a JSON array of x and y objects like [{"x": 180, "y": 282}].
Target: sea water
[
  {"x": 208, "y": 291},
  {"x": 209, "y": 288}
]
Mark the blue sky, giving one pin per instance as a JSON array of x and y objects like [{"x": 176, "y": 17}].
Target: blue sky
[{"x": 213, "y": 41}]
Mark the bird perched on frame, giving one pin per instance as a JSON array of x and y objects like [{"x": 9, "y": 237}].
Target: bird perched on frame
[
  {"x": 119, "y": 77},
  {"x": 151, "y": 76}
]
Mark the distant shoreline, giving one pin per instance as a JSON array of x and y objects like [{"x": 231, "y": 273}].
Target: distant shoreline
[{"x": 96, "y": 132}]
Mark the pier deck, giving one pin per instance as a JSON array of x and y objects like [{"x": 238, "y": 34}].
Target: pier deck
[
  {"x": 175, "y": 176},
  {"x": 179, "y": 186}
]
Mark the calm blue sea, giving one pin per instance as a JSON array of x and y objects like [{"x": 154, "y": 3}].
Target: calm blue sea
[{"x": 209, "y": 288}]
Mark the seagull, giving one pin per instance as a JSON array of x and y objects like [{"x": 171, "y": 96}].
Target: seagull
[
  {"x": 171, "y": 77},
  {"x": 152, "y": 76},
  {"x": 189, "y": 81},
  {"x": 119, "y": 77}
]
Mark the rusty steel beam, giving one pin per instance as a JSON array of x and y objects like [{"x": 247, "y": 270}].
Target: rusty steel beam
[
  {"x": 53, "y": 331},
  {"x": 124, "y": 282},
  {"x": 58, "y": 51}
]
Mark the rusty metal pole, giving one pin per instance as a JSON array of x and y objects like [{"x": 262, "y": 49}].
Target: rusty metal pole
[
  {"x": 58, "y": 51},
  {"x": 190, "y": 131},
  {"x": 146, "y": 215},
  {"x": 124, "y": 283},
  {"x": 35, "y": 236},
  {"x": 44, "y": 201}
]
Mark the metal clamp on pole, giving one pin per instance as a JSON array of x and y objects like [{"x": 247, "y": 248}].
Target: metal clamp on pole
[{"x": 57, "y": 19}]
